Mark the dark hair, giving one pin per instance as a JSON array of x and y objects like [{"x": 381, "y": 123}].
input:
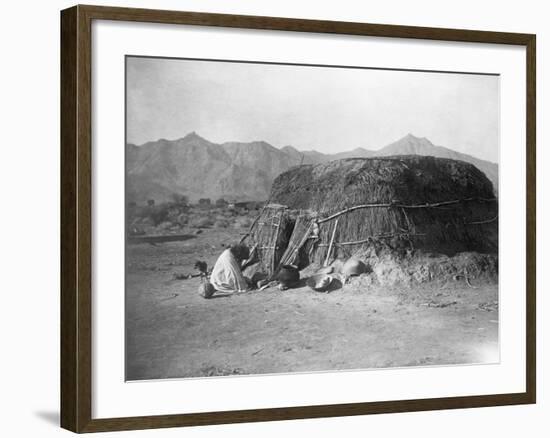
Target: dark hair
[{"x": 240, "y": 251}]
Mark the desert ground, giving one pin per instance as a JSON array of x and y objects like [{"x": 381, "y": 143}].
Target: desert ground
[{"x": 172, "y": 332}]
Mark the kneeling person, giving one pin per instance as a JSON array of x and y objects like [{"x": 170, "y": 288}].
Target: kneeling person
[{"x": 227, "y": 273}]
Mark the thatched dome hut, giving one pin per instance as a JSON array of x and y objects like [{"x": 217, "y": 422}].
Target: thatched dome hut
[{"x": 333, "y": 209}]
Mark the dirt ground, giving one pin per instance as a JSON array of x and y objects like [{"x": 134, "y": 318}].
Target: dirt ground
[{"x": 173, "y": 332}]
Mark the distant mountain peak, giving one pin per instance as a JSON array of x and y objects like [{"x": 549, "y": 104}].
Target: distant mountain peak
[
  {"x": 193, "y": 136},
  {"x": 289, "y": 148},
  {"x": 412, "y": 137},
  {"x": 410, "y": 144}
]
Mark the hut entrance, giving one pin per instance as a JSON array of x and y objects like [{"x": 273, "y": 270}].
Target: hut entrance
[
  {"x": 271, "y": 234},
  {"x": 283, "y": 237},
  {"x": 305, "y": 235}
]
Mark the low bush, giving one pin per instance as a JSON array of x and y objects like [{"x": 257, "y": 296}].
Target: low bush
[
  {"x": 221, "y": 223},
  {"x": 201, "y": 222},
  {"x": 182, "y": 219},
  {"x": 242, "y": 222}
]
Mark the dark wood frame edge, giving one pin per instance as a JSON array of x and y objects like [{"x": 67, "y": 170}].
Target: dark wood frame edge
[{"x": 76, "y": 340}]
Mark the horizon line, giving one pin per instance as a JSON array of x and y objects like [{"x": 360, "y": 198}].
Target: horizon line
[{"x": 308, "y": 150}]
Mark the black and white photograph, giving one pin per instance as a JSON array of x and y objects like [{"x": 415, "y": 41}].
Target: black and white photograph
[
  {"x": 267, "y": 219},
  {"x": 293, "y": 218}
]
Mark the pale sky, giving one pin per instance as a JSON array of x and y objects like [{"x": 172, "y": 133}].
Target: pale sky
[{"x": 321, "y": 108}]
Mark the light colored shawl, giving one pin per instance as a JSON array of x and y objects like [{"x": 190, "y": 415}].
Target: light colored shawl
[{"x": 226, "y": 275}]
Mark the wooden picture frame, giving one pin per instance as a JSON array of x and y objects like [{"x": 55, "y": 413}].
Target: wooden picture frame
[{"x": 76, "y": 218}]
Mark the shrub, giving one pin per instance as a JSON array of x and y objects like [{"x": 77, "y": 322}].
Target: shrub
[
  {"x": 164, "y": 226},
  {"x": 182, "y": 219},
  {"x": 201, "y": 222},
  {"x": 179, "y": 199},
  {"x": 242, "y": 222},
  {"x": 156, "y": 213},
  {"x": 221, "y": 223}
]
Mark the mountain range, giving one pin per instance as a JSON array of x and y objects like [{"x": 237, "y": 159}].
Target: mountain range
[{"x": 197, "y": 168}]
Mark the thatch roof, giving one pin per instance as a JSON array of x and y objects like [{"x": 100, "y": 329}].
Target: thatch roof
[
  {"x": 430, "y": 203},
  {"x": 412, "y": 179}
]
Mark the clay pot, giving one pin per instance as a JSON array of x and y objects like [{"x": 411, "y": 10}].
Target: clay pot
[
  {"x": 319, "y": 282},
  {"x": 353, "y": 267},
  {"x": 288, "y": 275},
  {"x": 206, "y": 290}
]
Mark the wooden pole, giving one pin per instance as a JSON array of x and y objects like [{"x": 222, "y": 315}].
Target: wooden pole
[
  {"x": 273, "y": 265},
  {"x": 331, "y": 241},
  {"x": 483, "y": 222},
  {"x": 399, "y": 205},
  {"x": 374, "y": 237}
]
